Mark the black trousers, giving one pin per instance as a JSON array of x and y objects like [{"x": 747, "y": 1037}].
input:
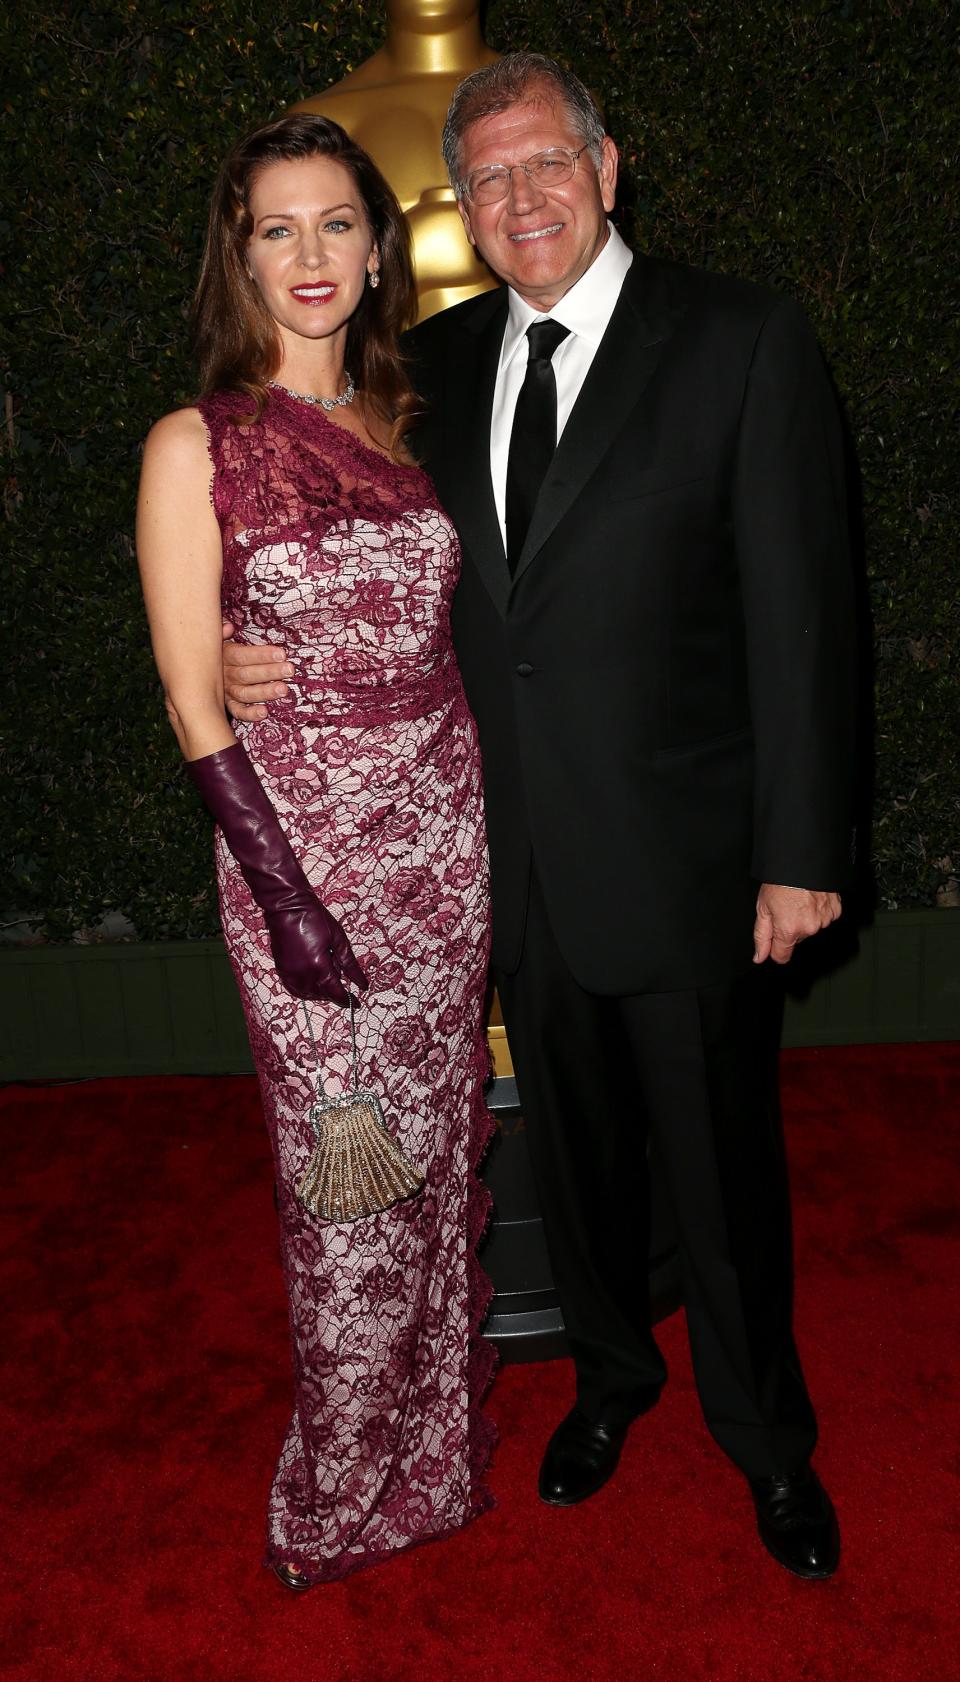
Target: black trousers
[{"x": 695, "y": 1074}]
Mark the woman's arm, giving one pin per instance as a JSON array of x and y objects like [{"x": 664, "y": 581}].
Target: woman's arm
[{"x": 181, "y": 561}]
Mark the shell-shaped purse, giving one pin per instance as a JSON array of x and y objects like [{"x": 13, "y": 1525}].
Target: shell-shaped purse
[{"x": 357, "y": 1167}]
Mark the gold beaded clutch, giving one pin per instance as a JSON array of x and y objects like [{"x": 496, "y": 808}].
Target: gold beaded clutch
[{"x": 357, "y": 1167}]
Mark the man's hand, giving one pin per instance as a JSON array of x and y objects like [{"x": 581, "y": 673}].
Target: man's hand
[
  {"x": 250, "y": 676},
  {"x": 785, "y": 916}
]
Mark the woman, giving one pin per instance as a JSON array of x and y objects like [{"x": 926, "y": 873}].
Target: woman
[{"x": 350, "y": 850}]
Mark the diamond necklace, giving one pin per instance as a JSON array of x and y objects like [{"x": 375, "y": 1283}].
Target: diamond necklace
[{"x": 320, "y": 402}]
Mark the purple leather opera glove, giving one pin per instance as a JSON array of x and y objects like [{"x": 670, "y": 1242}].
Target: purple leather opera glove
[{"x": 311, "y": 951}]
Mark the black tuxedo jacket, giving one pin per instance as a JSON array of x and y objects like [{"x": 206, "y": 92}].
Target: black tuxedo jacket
[{"x": 664, "y": 691}]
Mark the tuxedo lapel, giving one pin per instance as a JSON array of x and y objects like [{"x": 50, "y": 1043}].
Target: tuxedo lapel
[
  {"x": 470, "y": 377},
  {"x": 626, "y": 358}
]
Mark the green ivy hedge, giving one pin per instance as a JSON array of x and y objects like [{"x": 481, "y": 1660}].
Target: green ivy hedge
[{"x": 811, "y": 146}]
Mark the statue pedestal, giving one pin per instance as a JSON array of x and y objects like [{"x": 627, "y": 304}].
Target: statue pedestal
[{"x": 525, "y": 1321}]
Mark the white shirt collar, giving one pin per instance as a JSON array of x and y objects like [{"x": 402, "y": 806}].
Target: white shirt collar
[{"x": 587, "y": 307}]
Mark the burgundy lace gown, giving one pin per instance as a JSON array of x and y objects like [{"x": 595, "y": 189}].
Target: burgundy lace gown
[{"x": 373, "y": 769}]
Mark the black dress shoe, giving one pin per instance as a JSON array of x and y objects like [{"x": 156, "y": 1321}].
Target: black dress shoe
[
  {"x": 580, "y": 1457},
  {"x": 797, "y": 1523}
]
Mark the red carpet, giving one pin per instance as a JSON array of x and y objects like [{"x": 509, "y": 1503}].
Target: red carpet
[{"x": 147, "y": 1385}]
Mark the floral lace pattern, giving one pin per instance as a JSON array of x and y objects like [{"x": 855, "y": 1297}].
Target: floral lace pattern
[{"x": 373, "y": 768}]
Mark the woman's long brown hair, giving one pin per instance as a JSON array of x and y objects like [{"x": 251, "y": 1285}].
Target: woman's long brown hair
[{"x": 234, "y": 336}]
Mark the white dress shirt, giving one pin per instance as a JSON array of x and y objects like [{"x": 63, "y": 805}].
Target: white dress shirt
[{"x": 586, "y": 310}]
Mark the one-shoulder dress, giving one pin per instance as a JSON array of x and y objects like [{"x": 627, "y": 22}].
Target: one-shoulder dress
[{"x": 373, "y": 768}]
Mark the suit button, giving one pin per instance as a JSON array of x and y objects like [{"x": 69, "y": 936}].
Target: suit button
[{"x": 524, "y": 669}]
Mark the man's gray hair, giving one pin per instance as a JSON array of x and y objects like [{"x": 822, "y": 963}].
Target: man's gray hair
[{"x": 508, "y": 81}]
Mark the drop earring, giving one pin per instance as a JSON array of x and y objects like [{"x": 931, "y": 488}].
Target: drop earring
[{"x": 373, "y": 277}]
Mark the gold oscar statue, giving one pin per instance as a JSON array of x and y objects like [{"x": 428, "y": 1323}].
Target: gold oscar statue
[{"x": 394, "y": 106}]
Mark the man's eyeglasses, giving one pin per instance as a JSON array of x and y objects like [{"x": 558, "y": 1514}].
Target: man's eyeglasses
[{"x": 544, "y": 169}]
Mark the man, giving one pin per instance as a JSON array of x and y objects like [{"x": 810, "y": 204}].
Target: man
[{"x": 654, "y": 626}]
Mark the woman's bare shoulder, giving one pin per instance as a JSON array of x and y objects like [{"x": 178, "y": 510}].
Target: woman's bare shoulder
[
  {"x": 179, "y": 439},
  {"x": 176, "y": 462}
]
